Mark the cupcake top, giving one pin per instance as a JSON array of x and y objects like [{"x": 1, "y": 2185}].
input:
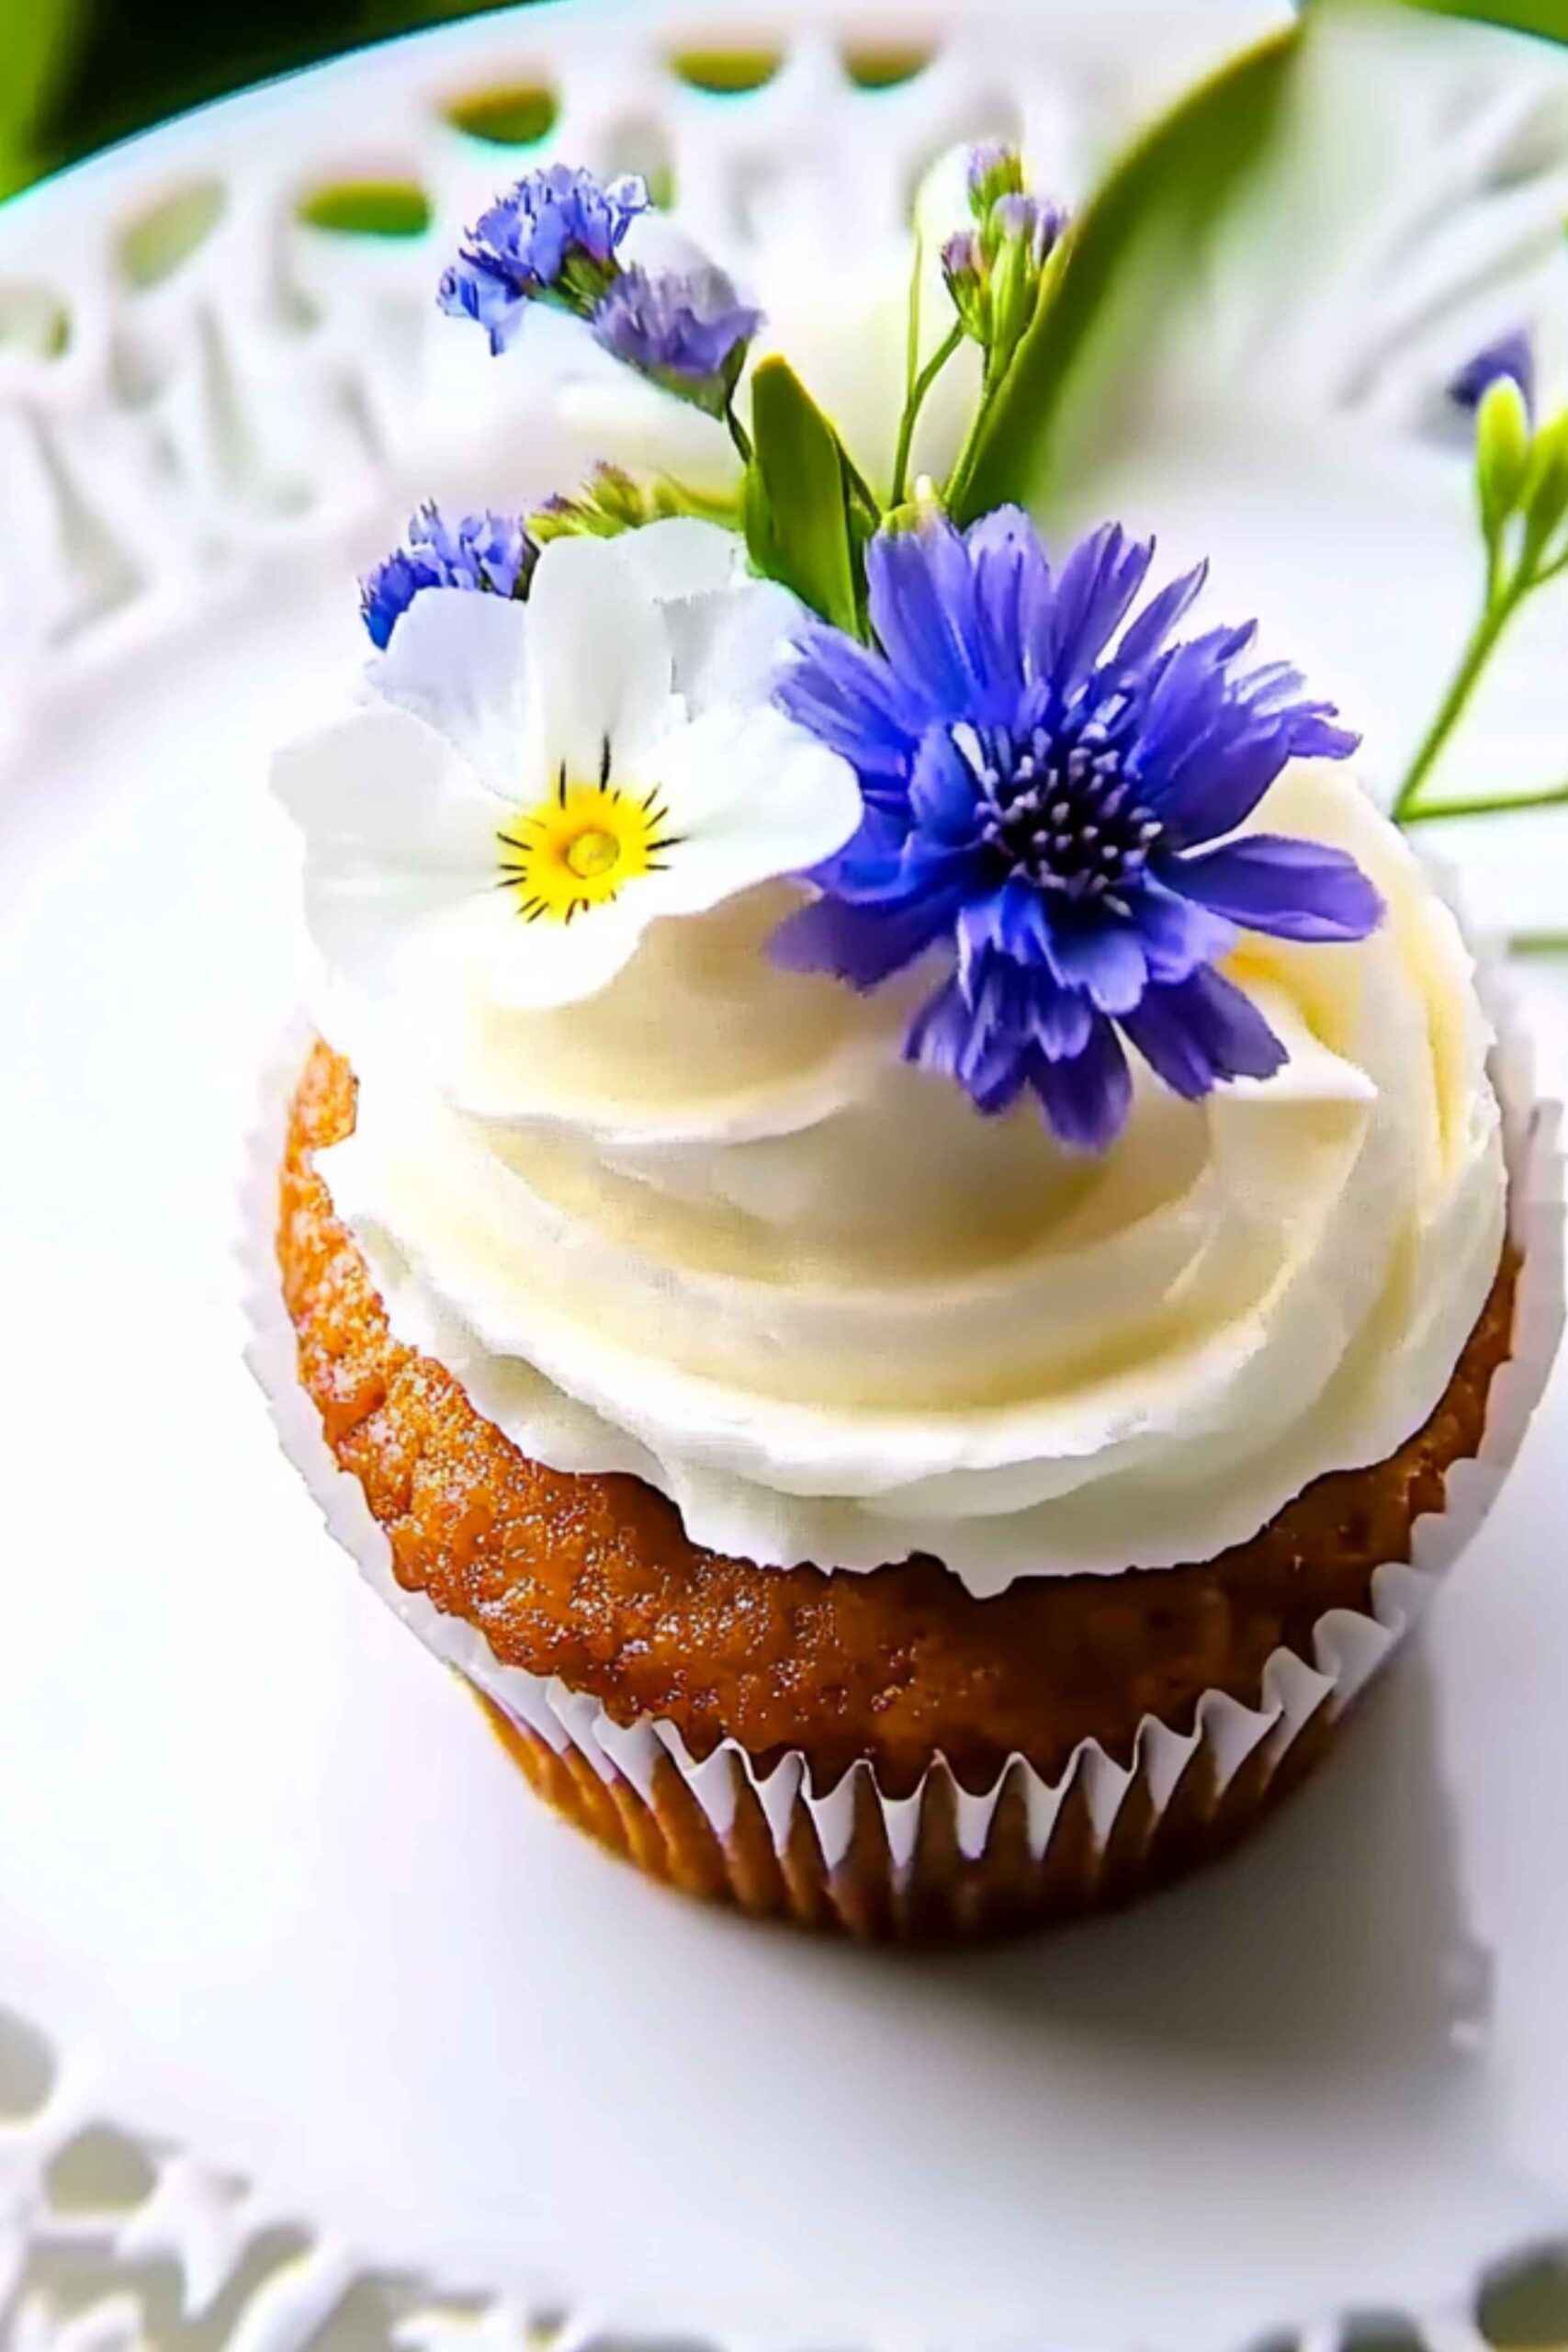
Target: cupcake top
[{"x": 884, "y": 1031}]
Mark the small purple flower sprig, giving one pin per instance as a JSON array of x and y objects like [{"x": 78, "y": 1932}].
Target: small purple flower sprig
[
  {"x": 808, "y": 512},
  {"x": 556, "y": 239},
  {"x": 493, "y": 553},
  {"x": 1052, "y": 795}
]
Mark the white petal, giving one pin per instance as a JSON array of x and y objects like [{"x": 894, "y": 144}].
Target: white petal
[
  {"x": 457, "y": 659},
  {"x": 525, "y": 966},
  {"x": 682, "y": 556},
  {"x": 751, "y": 795},
  {"x": 381, "y": 792},
  {"x": 729, "y": 644},
  {"x": 599, "y": 657},
  {"x": 400, "y": 847}
]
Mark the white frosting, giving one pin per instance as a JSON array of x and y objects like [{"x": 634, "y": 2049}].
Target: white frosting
[{"x": 708, "y": 1229}]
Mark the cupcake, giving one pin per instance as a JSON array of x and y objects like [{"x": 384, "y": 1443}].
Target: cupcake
[{"x": 904, "y": 1206}]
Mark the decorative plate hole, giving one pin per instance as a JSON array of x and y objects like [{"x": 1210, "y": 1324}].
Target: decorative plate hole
[
  {"x": 34, "y": 323},
  {"x": 884, "y": 65},
  {"x": 152, "y": 247},
  {"x": 1525, "y": 2302},
  {"x": 517, "y": 115},
  {"x": 368, "y": 207},
  {"x": 99, "y": 2171},
  {"x": 726, "y": 72},
  {"x": 27, "y": 2070}
]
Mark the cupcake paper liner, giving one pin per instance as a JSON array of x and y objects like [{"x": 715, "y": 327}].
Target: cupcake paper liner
[{"x": 941, "y": 1862}]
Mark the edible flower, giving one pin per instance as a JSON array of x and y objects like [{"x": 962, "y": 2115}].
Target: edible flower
[
  {"x": 687, "y": 330},
  {"x": 1056, "y": 816},
  {"x": 531, "y": 784},
  {"x": 554, "y": 238},
  {"x": 493, "y": 553}
]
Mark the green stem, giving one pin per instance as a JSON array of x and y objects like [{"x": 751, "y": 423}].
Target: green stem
[
  {"x": 860, "y": 487},
  {"x": 1539, "y": 943},
  {"x": 1482, "y": 638},
  {"x": 957, "y": 480},
  {"x": 1552, "y": 796},
  {"x": 737, "y": 434},
  {"x": 912, "y": 405},
  {"x": 912, "y": 326}
]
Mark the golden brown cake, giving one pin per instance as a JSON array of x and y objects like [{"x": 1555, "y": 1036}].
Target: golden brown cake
[{"x": 591, "y": 1578}]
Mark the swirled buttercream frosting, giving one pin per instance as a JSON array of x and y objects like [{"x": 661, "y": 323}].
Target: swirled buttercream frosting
[{"x": 708, "y": 1227}]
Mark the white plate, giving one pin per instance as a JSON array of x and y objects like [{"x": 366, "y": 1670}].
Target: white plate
[{"x": 269, "y": 1889}]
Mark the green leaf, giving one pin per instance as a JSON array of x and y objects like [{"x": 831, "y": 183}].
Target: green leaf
[
  {"x": 1136, "y": 243},
  {"x": 1546, "y": 19},
  {"x": 798, "y": 496}
]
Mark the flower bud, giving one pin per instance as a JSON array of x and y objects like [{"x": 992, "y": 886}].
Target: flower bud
[
  {"x": 1015, "y": 286},
  {"x": 995, "y": 168},
  {"x": 1502, "y": 452},
  {"x": 963, "y": 270},
  {"x": 1543, "y": 497}
]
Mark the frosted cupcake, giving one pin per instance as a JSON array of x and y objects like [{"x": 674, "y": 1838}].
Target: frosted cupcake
[{"x": 903, "y": 1212}]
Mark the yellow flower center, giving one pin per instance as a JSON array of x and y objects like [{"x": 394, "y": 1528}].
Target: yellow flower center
[
  {"x": 592, "y": 853},
  {"x": 578, "y": 848}
]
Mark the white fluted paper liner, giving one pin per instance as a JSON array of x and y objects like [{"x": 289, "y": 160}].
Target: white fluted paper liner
[{"x": 1347, "y": 1647}]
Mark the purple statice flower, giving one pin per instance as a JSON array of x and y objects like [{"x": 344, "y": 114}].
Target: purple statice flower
[
  {"x": 486, "y": 551},
  {"x": 1512, "y": 355},
  {"x": 992, "y": 168},
  {"x": 1053, "y": 813},
  {"x": 1034, "y": 222},
  {"x": 687, "y": 329},
  {"x": 553, "y": 239}
]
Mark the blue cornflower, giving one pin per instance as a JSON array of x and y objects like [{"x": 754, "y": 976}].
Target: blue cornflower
[
  {"x": 1512, "y": 355},
  {"x": 553, "y": 239},
  {"x": 1038, "y": 805},
  {"x": 488, "y": 551},
  {"x": 688, "y": 330}
]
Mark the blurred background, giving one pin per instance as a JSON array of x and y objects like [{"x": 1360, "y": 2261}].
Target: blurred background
[{"x": 76, "y": 74}]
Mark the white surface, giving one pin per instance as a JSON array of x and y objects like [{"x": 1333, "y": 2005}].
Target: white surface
[{"x": 270, "y": 1884}]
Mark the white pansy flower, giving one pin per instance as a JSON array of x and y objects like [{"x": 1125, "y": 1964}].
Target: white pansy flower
[{"x": 529, "y": 785}]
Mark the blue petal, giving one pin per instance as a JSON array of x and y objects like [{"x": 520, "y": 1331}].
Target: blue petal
[
  {"x": 1200, "y": 1031},
  {"x": 855, "y": 943},
  {"x": 1144, "y": 637},
  {"x": 1105, "y": 959},
  {"x": 850, "y": 700},
  {"x": 1220, "y": 779},
  {"x": 944, "y": 1035},
  {"x": 1010, "y": 924},
  {"x": 1178, "y": 935},
  {"x": 1098, "y": 584},
  {"x": 1012, "y": 594},
  {"x": 1085, "y": 1099},
  {"x": 942, "y": 796},
  {"x": 1294, "y": 889},
  {"x": 1060, "y": 1020},
  {"x": 923, "y": 608}
]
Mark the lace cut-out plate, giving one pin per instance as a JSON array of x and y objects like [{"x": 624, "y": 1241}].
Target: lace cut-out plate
[{"x": 315, "y": 2028}]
